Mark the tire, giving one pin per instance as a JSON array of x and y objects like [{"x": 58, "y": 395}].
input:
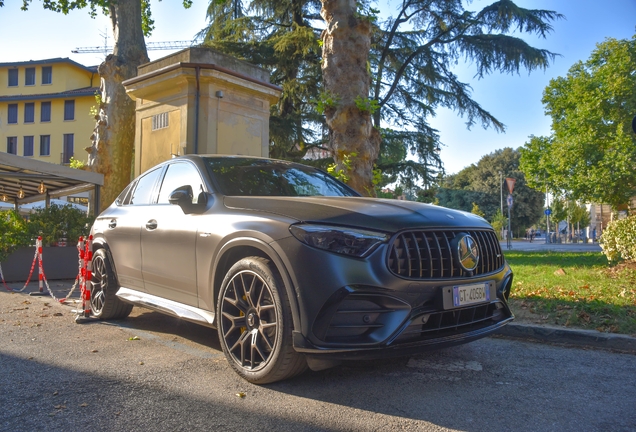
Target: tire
[
  {"x": 105, "y": 305},
  {"x": 255, "y": 323}
]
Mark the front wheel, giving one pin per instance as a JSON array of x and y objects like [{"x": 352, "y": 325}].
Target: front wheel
[
  {"x": 105, "y": 304},
  {"x": 255, "y": 324}
]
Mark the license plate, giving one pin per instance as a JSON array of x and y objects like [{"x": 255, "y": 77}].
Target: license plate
[{"x": 468, "y": 294}]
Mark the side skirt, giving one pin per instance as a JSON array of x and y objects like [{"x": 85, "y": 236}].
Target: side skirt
[{"x": 169, "y": 307}]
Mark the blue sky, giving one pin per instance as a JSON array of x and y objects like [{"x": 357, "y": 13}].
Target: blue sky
[{"x": 515, "y": 100}]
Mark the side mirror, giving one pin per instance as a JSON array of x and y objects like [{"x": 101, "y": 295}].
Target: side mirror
[{"x": 181, "y": 196}]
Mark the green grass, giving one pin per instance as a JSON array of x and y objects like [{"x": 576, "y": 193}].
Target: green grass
[{"x": 573, "y": 290}]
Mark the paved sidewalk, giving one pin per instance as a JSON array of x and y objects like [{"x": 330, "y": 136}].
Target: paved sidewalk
[{"x": 540, "y": 244}]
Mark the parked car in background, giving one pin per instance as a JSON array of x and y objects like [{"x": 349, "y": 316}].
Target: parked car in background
[{"x": 294, "y": 268}]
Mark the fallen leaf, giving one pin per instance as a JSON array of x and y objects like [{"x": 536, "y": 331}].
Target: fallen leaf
[
  {"x": 560, "y": 272},
  {"x": 134, "y": 338},
  {"x": 55, "y": 393},
  {"x": 141, "y": 363},
  {"x": 241, "y": 395},
  {"x": 84, "y": 404},
  {"x": 59, "y": 407},
  {"x": 26, "y": 302},
  {"x": 94, "y": 351},
  {"x": 58, "y": 314}
]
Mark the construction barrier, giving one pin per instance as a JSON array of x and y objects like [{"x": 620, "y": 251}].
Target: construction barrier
[{"x": 83, "y": 278}]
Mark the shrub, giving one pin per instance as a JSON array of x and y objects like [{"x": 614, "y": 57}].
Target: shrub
[
  {"x": 57, "y": 222},
  {"x": 619, "y": 240},
  {"x": 14, "y": 233}
]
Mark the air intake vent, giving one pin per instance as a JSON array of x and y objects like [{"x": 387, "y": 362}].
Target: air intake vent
[{"x": 433, "y": 254}]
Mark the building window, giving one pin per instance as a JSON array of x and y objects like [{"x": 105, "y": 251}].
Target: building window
[
  {"x": 29, "y": 76},
  {"x": 160, "y": 121},
  {"x": 28, "y": 146},
  {"x": 68, "y": 149},
  {"x": 45, "y": 112},
  {"x": 47, "y": 74},
  {"x": 13, "y": 77},
  {"x": 12, "y": 145},
  {"x": 13, "y": 114},
  {"x": 45, "y": 145},
  {"x": 69, "y": 110},
  {"x": 29, "y": 112}
]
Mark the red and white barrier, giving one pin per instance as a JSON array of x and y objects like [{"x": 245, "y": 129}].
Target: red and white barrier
[{"x": 83, "y": 278}]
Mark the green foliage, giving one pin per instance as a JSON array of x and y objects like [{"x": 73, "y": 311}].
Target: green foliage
[
  {"x": 343, "y": 174},
  {"x": 499, "y": 222},
  {"x": 77, "y": 164},
  {"x": 14, "y": 233},
  {"x": 591, "y": 153},
  {"x": 480, "y": 183},
  {"x": 477, "y": 211},
  {"x": 617, "y": 240},
  {"x": 366, "y": 104},
  {"x": 58, "y": 222},
  {"x": 326, "y": 101}
]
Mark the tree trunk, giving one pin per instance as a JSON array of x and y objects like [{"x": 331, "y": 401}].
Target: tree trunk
[
  {"x": 113, "y": 139},
  {"x": 345, "y": 55}
]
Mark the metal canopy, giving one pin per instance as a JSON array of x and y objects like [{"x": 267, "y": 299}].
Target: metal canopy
[{"x": 17, "y": 172}]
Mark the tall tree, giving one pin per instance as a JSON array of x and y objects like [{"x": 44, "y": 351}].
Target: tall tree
[
  {"x": 591, "y": 153},
  {"x": 480, "y": 183},
  {"x": 277, "y": 35},
  {"x": 410, "y": 65},
  {"x": 114, "y": 136}
]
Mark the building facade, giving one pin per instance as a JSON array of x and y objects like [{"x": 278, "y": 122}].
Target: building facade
[{"x": 45, "y": 109}]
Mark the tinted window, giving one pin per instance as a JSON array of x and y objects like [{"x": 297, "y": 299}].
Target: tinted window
[
  {"x": 28, "y": 146},
  {"x": 45, "y": 112},
  {"x": 12, "y": 145},
  {"x": 29, "y": 76},
  {"x": 69, "y": 110},
  {"x": 145, "y": 186},
  {"x": 45, "y": 145},
  {"x": 13, "y": 77},
  {"x": 47, "y": 75},
  {"x": 261, "y": 177},
  {"x": 180, "y": 174},
  {"x": 29, "y": 112},
  {"x": 13, "y": 113}
]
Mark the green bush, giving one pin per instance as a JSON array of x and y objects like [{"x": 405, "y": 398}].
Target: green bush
[
  {"x": 14, "y": 233},
  {"x": 619, "y": 240},
  {"x": 58, "y": 222}
]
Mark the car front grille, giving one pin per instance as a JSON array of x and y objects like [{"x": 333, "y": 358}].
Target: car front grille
[
  {"x": 425, "y": 254},
  {"x": 438, "y": 324}
]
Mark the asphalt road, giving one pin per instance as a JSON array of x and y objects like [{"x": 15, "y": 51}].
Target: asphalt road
[{"x": 56, "y": 375}]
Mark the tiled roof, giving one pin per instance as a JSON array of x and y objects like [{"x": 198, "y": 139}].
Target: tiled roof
[
  {"x": 86, "y": 91},
  {"x": 49, "y": 61}
]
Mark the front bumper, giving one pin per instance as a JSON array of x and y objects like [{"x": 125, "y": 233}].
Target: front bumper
[{"x": 356, "y": 308}]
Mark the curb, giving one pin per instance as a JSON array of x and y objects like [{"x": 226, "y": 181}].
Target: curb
[{"x": 585, "y": 338}]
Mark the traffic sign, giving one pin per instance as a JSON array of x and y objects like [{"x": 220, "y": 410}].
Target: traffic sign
[
  {"x": 511, "y": 183},
  {"x": 547, "y": 212},
  {"x": 509, "y": 201}
]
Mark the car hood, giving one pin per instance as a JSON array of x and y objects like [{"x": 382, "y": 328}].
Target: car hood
[{"x": 371, "y": 213}]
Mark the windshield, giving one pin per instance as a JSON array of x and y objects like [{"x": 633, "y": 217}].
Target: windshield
[{"x": 264, "y": 177}]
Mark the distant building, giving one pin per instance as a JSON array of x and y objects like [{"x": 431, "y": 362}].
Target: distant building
[{"x": 45, "y": 108}]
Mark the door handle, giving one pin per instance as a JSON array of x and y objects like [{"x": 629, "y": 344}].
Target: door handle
[
  {"x": 151, "y": 224},
  {"x": 112, "y": 224}
]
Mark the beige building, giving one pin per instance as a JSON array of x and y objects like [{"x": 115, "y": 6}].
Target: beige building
[
  {"x": 45, "y": 108},
  {"x": 203, "y": 102}
]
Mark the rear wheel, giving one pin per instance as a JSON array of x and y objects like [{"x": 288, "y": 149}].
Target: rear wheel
[
  {"x": 255, "y": 324},
  {"x": 105, "y": 304}
]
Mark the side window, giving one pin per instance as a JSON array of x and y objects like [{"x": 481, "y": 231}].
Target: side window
[
  {"x": 180, "y": 174},
  {"x": 145, "y": 187}
]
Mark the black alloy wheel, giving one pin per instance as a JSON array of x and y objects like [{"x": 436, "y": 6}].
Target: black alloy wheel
[
  {"x": 254, "y": 323},
  {"x": 104, "y": 303}
]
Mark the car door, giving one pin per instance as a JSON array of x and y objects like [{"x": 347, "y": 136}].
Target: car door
[
  {"x": 168, "y": 239},
  {"x": 123, "y": 230}
]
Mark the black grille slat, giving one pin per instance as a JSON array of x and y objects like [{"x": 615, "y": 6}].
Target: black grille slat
[{"x": 429, "y": 254}]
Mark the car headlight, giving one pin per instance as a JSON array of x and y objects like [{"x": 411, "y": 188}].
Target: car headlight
[{"x": 347, "y": 241}]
